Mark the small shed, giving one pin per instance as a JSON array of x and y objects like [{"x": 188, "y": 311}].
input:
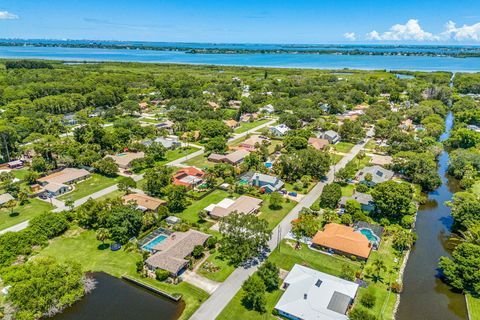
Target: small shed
[{"x": 173, "y": 220}]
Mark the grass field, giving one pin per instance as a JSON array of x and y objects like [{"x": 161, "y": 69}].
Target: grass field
[
  {"x": 81, "y": 246},
  {"x": 473, "y": 307},
  {"x": 343, "y": 147},
  {"x": 336, "y": 158},
  {"x": 175, "y": 154},
  {"x": 190, "y": 214},
  {"x": 199, "y": 162},
  {"x": 285, "y": 257},
  {"x": 20, "y": 173},
  {"x": 245, "y": 126},
  {"x": 22, "y": 213},
  {"x": 93, "y": 184},
  {"x": 274, "y": 217},
  {"x": 224, "y": 269}
]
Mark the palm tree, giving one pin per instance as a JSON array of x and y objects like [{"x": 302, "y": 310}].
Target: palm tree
[
  {"x": 472, "y": 235},
  {"x": 378, "y": 266},
  {"x": 148, "y": 219},
  {"x": 103, "y": 234}
]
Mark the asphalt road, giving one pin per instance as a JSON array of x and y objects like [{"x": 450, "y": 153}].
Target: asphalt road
[{"x": 211, "y": 308}]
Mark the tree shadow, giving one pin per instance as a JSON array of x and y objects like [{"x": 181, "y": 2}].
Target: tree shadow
[
  {"x": 103, "y": 246},
  {"x": 14, "y": 214}
]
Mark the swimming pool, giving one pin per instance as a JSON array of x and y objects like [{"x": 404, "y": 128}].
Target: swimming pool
[
  {"x": 268, "y": 165},
  {"x": 149, "y": 246},
  {"x": 369, "y": 234}
]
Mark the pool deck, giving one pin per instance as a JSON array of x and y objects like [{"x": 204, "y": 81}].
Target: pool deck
[{"x": 154, "y": 234}]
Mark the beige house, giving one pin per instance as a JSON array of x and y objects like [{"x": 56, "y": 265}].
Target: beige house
[
  {"x": 250, "y": 143},
  {"x": 244, "y": 204},
  {"x": 233, "y": 158},
  {"x": 143, "y": 201},
  {"x": 124, "y": 159},
  {"x": 59, "y": 182}
]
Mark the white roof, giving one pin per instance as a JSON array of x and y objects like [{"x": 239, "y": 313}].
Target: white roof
[
  {"x": 225, "y": 203},
  {"x": 4, "y": 198},
  {"x": 310, "y": 292},
  {"x": 282, "y": 128}
]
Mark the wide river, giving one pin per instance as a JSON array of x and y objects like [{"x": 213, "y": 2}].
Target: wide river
[
  {"x": 425, "y": 295},
  {"x": 323, "y": 61}
]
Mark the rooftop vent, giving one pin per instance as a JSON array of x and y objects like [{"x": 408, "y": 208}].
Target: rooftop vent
[
  {"x": 305, "y": 296},
  {"x": 318, "y": 283}
]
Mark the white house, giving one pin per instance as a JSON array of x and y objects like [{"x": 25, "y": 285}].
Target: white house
[
  {"x": 314, "y": 295},
  {"x": 331, "y": 136},
  {"x": 279, "y": 130},
  {"x": 267, "y": 109}
]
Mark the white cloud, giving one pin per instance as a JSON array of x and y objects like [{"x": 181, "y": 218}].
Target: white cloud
[
  {"x": 464, "y": 33},
  {"x": 408, "y": 32},
  {"x": 5, "y": 15},
  {"x": 350, "y": 36}
]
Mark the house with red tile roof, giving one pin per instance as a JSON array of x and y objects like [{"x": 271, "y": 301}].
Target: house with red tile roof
[{"x": 188, "y": 177}]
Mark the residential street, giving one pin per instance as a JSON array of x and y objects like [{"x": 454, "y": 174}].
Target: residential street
[
  {"x": 211, "y": 308},
  {"x": 60, "y": 206}
]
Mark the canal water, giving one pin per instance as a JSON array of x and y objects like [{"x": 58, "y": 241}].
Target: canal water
[
  {"x": 425, "y": 296},
  {"x": 116, "y": 299}
]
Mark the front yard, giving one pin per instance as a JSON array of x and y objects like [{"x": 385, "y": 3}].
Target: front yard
[
  {"x": 343, "y": 147},
  {"x": 274, "y": 217},
  {"x": 23, "y": 213},
  {"x": 93, "y": 184},
  {"x": 245, "y": 126},
  {"x": 200, "y": 162},
  {"x": 215, "y": 268},
  {"x": 190, "y": 214},
  {"x": 81, "y": 246}
]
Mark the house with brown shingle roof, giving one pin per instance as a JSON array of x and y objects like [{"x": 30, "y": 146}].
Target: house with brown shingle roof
[
  {"x": 250, "y": 143},
  {"x": 244, "y": 204},
  {"x": 59, "y": 182},
  {"x": 233, "y": 158},
  {"x": 143, "y": 201},
  {"x": 171, "y": 253},
  {"x": 318, "y": 143},
  {"x": 124, "y": 159},
  {"x": 343, "y": 240},
  {"x": 232, "y": 124}
]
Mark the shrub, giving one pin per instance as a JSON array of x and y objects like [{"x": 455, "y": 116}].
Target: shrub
[
  {"x": 362, "y": 188},
  {"x": 396, "y": 287},
  {"x": 211, "y": 242},
  {"x": 346, "y": 219},
  {"x": 197, "y": 251},
  {"x": 315, "y": 206},
  {"x": 359, "y": 313},
  {"x": 347, "y": 273},
  {"x": 139, "y": 265},
  {"x": 407, "y": 221},
  {"x": 368, "y": 299},
  {"x": 161, "y": 275}
]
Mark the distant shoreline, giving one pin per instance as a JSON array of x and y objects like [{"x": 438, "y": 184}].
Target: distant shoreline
[{"x": 429, "y": 51}]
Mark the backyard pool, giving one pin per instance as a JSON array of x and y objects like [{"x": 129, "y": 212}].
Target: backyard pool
[
  {"x": 370, "y": 235},
  {"x": 268, "y": 165},
  {"x": 150, "y": 245}
]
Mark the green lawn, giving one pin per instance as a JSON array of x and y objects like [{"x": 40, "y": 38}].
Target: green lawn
[
  {"x": 285, "y": 257},
  {"x": 82, "y": 247},
  {"x": 199, "y": 162},
  {"x": 112, "y": 195},
  {"x": 23, "y": 213},
  {"x": 223, "y": 269},
  {"x": 385, "y": 301},
  {"x": 93, "y": 184},
  {"x": 336, "y": 158},
  {"x": 473, "y": 307},
  {"x": 20, "y": 173},
  {"x": 236, "y": 311},
  {"x": 245, "y": 126},
  {"x": 476, "y": 188},
  {"x": 274, "y": 217},
  {"x": 175, "y": 154},
  {"x": 347, "y": 191},
  {"x": 150, "y": 120},
  {"x": 190, "y": 214},
  {"x": 343, "y": 147}
]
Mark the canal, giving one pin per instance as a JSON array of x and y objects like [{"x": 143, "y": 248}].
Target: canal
[
  {"x": 116, "y": 299},
  {"x": 425, "y": 296}
]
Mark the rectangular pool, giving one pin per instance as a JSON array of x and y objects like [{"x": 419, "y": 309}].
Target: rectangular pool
[{"x": 149, "y": 246}]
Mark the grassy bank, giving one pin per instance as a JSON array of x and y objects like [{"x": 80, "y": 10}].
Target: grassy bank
[{"x": 22, "y": 213}]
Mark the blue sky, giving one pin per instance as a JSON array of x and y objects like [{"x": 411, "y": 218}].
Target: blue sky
[{"x": 299, "y": 21}]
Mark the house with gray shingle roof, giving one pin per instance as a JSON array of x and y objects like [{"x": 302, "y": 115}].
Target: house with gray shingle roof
[
  {"x": 264, "y": 181},
  {"x": 4, "y": 198},
  {"x": 365, "y": 200},
  {"x": 378, "y": 175},
  {"x": 171, "y": 253}
]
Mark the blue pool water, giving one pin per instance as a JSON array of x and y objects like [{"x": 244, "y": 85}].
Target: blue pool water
[
  {"x": 149, "y": 246},
  {"x": 268, "y": 165},
  {"x": 369, "y": 234}
]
